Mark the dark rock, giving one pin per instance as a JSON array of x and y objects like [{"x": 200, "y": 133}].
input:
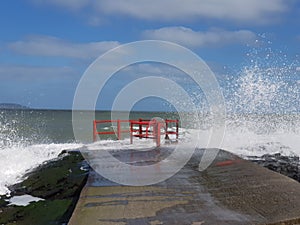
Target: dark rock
[
  {"x": 286, "y": 165},
  {"x": 3, "y": 201},
  {"x": 58, "y": 181},
  {"x": 37, "y": 213}
]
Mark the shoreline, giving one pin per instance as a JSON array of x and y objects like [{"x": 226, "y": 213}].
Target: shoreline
[
  {"x": 285, "y": 165},
  {"x": 59, "y": 182}
]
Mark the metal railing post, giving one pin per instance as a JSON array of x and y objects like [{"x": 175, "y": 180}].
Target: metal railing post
[
  {"x": 131, "y": 133},
  {"x": 94, "y": 131},
  {"x": 157, "y": 134},
  {"x": 119, "y": 129},
  {"x": 177, "y": 129},
  {"x": 140, "y": 129}
]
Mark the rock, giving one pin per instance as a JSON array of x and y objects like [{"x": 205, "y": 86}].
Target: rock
[
  {"x": 3, "y": 201},
  {"x": 58, "y": 181},
  {"x": 286, "y": 165}
]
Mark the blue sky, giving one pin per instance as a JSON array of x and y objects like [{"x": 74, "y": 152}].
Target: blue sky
[{"x": 46, "y": 45}]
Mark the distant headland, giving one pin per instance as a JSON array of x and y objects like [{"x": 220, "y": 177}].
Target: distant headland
[{"x": 12, "y": 106}]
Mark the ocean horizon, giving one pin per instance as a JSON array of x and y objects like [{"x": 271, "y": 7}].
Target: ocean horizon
[{"x": 29, "y": 137}]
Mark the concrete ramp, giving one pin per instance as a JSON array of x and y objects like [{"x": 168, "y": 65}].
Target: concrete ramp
[{"x": 230, "y": 191}]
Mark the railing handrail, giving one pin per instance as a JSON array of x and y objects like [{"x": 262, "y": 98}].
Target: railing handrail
[{"x": 132, "y": 130}]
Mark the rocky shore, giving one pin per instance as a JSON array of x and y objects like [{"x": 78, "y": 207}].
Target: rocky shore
[
  {"x": 286, "y": 165},
  {"x": 57, "y": 182}
]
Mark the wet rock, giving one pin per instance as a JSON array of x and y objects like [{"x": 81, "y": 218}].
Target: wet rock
[
  {"x": 286, "y": 165},
  {"x": 58, "y": 181},
  {"x": 3, "y": 201},
  {"x": 37, "y": 213}
]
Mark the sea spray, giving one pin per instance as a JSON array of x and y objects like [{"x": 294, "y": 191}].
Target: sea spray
[
  {"x": 262, "y": 104},
  {"x": 263, "y": 108},
  {"x": 21, "y": 128},
  {"x": 16, "y": 161},
  {"x": 19, "y": 154}
]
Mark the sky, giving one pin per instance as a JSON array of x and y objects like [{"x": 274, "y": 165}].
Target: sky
[{"x": 46, "y": 45}]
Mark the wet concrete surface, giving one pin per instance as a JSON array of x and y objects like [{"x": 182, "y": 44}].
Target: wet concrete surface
[{"x": 230, "y": 191}]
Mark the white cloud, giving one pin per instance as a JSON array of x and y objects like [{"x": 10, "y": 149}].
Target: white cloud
[
  {"x": 70, "y": 4},
  {"x": 251, "y": 11},
  {"x": 188, "y": 37},
  {"x": 177, "y": 9},
  {"x": 52, "y": 46},
  {"x": 30, "y": 73}
]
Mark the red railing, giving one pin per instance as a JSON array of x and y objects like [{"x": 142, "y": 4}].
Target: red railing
[
  {"x": 176, "y": 122},
  {"x": 153, "y": 133},
  {"x": 146, "y": 129},
  {"x": 119, "y": 130}
]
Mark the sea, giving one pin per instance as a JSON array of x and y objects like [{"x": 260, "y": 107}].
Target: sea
[
  {"x": 262, "y": 117},
  {"x": 31, "y": 137}
]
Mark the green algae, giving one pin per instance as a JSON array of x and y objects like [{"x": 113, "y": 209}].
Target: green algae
[
  {"x": 55, "y": 180},
  {"x": 59, "y": 182},
  {"x": 2, "y": 201},
  {"x": 37, "y": 213}
]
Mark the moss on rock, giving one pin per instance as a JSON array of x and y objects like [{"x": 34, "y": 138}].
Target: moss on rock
[
  {"x": 3, "y": 201},
  {"x": 57, "y": 179},
  {"x": 38, "y": 213},
  {"x": 59, "y": 182}
]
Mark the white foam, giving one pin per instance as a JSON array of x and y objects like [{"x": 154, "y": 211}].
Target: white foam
[
  {"x": 252, "y": 144},
  {"x": 239, "y": 139},
  {"x": 15, "y": 161},
  {"x": 138, "y": 144},
  {"x": 23, "y": 200},
  {"x": 185, "y": 135}
]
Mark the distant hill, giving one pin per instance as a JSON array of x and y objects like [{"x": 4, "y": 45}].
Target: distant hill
[{"x": 12, "y": 106}]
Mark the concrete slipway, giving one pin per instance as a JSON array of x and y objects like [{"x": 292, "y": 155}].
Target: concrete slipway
[{"x": 230, "y": 191}]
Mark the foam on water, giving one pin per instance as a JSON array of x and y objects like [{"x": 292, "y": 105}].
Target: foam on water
[
  {"x": 245, "y": 136},
  {"x": 23, "y": 200},
  {"x": 263, "y": 116},
  {"x": 19, "y": 155},
  {"x": 240, "y": 139},
  {"x": 253, "y": 144},
  {"x": 139, "y": 144},
  {"x": 15, "y": 161}
]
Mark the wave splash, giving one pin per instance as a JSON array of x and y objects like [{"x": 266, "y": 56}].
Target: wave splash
[
  {"x": 263, "y": 116},
  {"x": 20, "y": 154}
]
